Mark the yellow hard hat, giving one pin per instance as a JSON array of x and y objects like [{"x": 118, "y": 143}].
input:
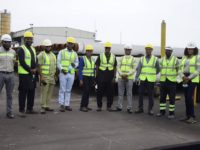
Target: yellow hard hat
[
  {"x": 89, "y": 47},
  {"x": 71, "y": 40},
  {"x": 28, "y": 34},
  {"x": 149, "y": 46},
  {"x": 107, "y": 44}
]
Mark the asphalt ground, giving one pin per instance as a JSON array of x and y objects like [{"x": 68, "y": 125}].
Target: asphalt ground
[{"x": 93, "y": 130}]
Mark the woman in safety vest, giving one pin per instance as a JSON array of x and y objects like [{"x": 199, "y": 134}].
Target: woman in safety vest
[{"x": 189, "y": 75}]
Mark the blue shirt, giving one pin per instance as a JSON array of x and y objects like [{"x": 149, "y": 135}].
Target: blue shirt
[{"x": 81, "y": 66}]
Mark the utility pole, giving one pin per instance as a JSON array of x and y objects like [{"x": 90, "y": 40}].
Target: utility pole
[{"x": 163, "y": 38}]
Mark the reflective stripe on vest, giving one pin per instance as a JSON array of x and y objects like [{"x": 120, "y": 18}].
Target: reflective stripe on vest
[
  {"x": 45, "y": 67},
  {"x": 27, "y": 59},
  {"x": 6, "y": 54},
  {"x": 104, "y": 64},
  {"x": 67, "y": 59},
  {"x": 193, "y": 67},
  {"x": 127, "y": 65},
  {"x": 148, "y": 70},
  {"x": 168, "y": 70},
  {"x": 88, "y": 69}
]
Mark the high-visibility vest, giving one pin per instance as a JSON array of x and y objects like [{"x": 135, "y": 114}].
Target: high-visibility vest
[
  {"x": 193, "y": 67},
  {"x": 104, "y": 64},
  {"x": 88, "y": 69},
  {"x": 27, "y": 59},
  {"x": 67, "y": 59},
  {"x": 45, "y": 66},
  {"x": 127, "y": 65},
  {"x": 148, "y": 70},
  {"x": 168, "y": 69}
]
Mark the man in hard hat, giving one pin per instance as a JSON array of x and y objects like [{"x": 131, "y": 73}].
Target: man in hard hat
[
  {"x": 168, "y": 73},
  {"x": 47, "y": 71},
  {"x": 147, "y": 70},
  {"x": 67, "y": 62},
  {"x": 106, "y": 73},
  {"x": 7, "y": 58},
  {"x": 126, "y": 70},
  {"x": 27, "y": 64},
  {"x": 86, "y": 76}
]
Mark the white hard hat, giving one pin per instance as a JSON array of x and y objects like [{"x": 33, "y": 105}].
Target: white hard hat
[
  {"x": 6, "y": 37},
  {"x": 128, "y": 47},
  {"x": 169, "y": 48},
  {"x": 191, "y": 45},
  {"x": 46, "y": 42}
]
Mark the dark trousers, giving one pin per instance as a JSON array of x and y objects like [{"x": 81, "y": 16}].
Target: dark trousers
[
  {"x": 167, "y": 88},
  {"x": 150, "y": 90},
  {"x": 189, "y": 100},
  {"x": 26, "y": 92},
  {"x": 105, "y": 87},
  {"x": 87, "y": 84}
]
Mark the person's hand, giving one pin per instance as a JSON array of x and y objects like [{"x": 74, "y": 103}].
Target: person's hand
[
  {"x": 73, "y": 65},
  {"x": 136, "y": 81},
  {"x": 33, "y": 71},
  {"x": 56, "y": 78},
  {"x": 42, "y": 81},
  {"x": 63, "y": 71},
  {"x": 81, "y": 83},
  {"x": 125, "y": 77},
  {"x": 186, "y": 79},
  {"x": 113, "y": 81}
]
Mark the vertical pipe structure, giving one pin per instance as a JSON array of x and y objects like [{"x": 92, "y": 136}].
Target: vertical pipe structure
[
  {"x": 5, "y": 18},
  {"x": 163, "y": 38}
]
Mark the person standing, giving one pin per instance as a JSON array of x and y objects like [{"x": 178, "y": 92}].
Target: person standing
[
  {"x": 27, "y": 65},
  {"x": 189, "y": 75},
  {"x": 86, "y": 76},
  {"x": 168, "y": 72},
  {"x": 7, "y": 59},
  {"x": 147, "y": 70},
  {"x": 105, "y": 73},
  {"x": 47, "y": 71},
  {"x": 126, "y": 70},
  {"x": 67, "y": 62}
]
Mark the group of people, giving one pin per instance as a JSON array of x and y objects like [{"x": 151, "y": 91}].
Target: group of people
[{"x": 101, "y": 72}]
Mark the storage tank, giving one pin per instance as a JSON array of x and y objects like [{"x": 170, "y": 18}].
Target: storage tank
[{"x": 5, "y": 22}]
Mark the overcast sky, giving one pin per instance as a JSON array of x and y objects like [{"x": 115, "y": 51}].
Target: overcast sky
[{"x": 138, "y": 21}]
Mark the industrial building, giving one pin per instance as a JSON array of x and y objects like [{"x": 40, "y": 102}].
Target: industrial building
[{"x": 55, "y": 34}]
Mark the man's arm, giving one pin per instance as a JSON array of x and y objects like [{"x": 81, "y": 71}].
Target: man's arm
[
  {"x": 138, "y": 70},
  {"x": 59, "y": 61},
  {"x": 157, "y": 66},
  {"x": 115, "y": 67},
  {"x": 97, "y": 65},
  {"x": 80, "y": 69}
]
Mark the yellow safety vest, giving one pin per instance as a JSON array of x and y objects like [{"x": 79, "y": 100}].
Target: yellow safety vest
[
  {"x": 88, "y": 69},
  {"x": 148, "y": 70},
  {"x": 67, "y": 59},
  {"x": 168, "y": 69},
  {"x": 193, "y": 67},
  {"x": 27, "y": 59},
  {"x": 127, "y": 65},
  {"x": 45, "y": 66},
  {"x": 104, "y": 64}
]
